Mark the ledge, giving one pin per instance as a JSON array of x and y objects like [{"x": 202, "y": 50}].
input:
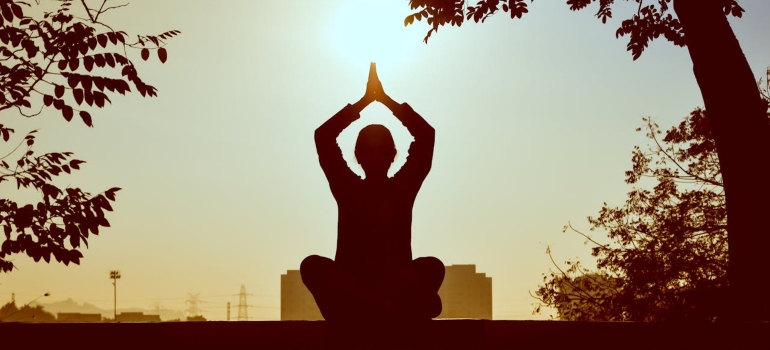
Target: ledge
[{"x": 366, "y": 334}]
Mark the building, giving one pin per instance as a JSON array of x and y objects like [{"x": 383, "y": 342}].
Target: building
[
  {"x": 136, "y": 317},
  {"x": 464, "y": 294},
  {"x": 78, "y": 317},
  {"x": 296, "y": 301}
]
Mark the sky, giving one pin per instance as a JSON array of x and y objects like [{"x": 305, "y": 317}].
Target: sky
[{"x": 221, "y": 186}]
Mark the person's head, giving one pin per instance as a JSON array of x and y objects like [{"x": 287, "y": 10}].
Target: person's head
[{"x": 375, "y": 150}]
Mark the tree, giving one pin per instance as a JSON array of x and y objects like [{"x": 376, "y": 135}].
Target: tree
[
  {"x": 585, "y": 297},
  {"x": 736, "y": 110},
  {"x": 668, "y": 256},
  {"x": 12, "y": 313},
  {"x": 69, "y": 61},
  {"x": 196, "y": 318}
]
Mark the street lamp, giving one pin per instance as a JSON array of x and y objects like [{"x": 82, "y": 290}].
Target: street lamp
[
  {"x": 115, "y": 275},
  {"x": 4, "y": 317}
]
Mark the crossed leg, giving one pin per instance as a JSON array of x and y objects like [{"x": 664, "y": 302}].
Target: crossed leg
[
  {"x": 337, "y": 294},
  {"x": 413, "y": 289},
  {"x": 409, "y": 292}
]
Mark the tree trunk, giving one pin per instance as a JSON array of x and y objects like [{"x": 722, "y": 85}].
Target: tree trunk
[{"x": 740, "y": 127}]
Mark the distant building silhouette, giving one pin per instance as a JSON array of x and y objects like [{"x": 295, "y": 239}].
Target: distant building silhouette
[
  {"x": 464, "y": 294},
  {"x": 136, "y": 317},
  {"x": 78, "y": 317},
  {"x": 296, "y": 301}
]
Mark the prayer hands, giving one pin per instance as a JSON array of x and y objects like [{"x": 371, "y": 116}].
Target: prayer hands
[{"x": 374, "y": 91}]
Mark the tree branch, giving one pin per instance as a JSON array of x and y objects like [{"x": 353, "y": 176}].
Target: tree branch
[{"x": 662, "y": 150}]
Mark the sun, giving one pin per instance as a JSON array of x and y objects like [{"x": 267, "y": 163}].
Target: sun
[{"x": 363, "y": 31}]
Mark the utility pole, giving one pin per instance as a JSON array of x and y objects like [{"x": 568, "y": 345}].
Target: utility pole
[
  {"x": 115, "y": 276},
  {"x": 228, "y": 311}
]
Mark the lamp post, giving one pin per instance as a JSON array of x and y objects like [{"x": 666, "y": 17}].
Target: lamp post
[
  {"x": 115, "y": 276},
  {"x": 4, "y": 317}
]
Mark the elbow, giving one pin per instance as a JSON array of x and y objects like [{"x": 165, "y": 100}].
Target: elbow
[
  {"x": 319, "y": 134},
  {"x": 429, "y": 132}
]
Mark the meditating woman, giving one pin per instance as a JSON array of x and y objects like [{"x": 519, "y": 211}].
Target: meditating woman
[{"x": 373, "y": 273}]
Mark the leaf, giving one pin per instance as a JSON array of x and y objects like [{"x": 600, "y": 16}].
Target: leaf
[
  {"x": 82, "y": 48},
  {"x": 102, "y": 38},
  {"x": 145, "y": 54},
  {"x": 99, "y": 60},
  {"x": 113, "y": 38},
  {"x": 88, "y": 63},
  {"x": 75, "y": 240},
  {"x": 17, "y": 11},
  {"x": 75, "y": 164},
  {"x": 100, "y": 83},
  {"x": 62, "y": 65},
  {"x": 408, "y": 20},
  {"x": 109, "y": 59},
  {"x": 73, "y": 80},
  {"x": 86, "y": 118},
  {"x": 126, "y": 71},
  {"x": 162, "y": 55},
  {"x": 7, "y": 12},
  {"x": 89, "y": 98},
  {"x": 85, "y": 82},
  {"x": 78, "y": 94},
  {"x": 120, "y": 59},
  {"x": 67, "y": 112},
  {"x": 99, "y": 99},
  {"x": 59, "y": 91},
  {"x": 47, "y": 100}
]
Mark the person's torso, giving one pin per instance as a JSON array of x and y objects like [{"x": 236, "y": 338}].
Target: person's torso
[{"x": 375, "y": 225}]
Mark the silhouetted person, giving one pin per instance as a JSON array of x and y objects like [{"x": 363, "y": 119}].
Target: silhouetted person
[{"x": 373, "y": 274}]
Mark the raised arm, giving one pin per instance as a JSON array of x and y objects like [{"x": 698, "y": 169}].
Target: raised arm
[
  {"x": 329, "y": 154},
  {"x": 420, "y": 157}
]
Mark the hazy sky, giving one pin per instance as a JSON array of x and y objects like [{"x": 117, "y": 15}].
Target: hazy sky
[{"x": 534, "y": 117}]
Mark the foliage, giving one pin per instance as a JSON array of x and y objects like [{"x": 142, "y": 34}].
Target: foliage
[
  {"x": 764, "y": 91},
  {"x": 196, "y": 318},
  {"x": 668, "y": 256},
  {"x": 71, "y": 64},
  {"x": 649, "y": 22},
  {"x": 12, "y": 313},
  {"x": 724, "y": 78}
]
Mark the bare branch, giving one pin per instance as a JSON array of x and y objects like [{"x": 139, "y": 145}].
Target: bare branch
[
  {"x": 110, "y": 8},
  {"x": 662, "y": 150},
  {"x": 88, "y": 10}
]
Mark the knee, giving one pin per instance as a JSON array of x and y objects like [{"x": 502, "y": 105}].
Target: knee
[
  {"x": 313, "y": 267},
  {"x": 430, "y": 266},
  {"x": 431, "y": 271}
]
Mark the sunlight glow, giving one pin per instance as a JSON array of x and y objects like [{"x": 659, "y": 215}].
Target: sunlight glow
[{"x": 372, "y": 31}]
